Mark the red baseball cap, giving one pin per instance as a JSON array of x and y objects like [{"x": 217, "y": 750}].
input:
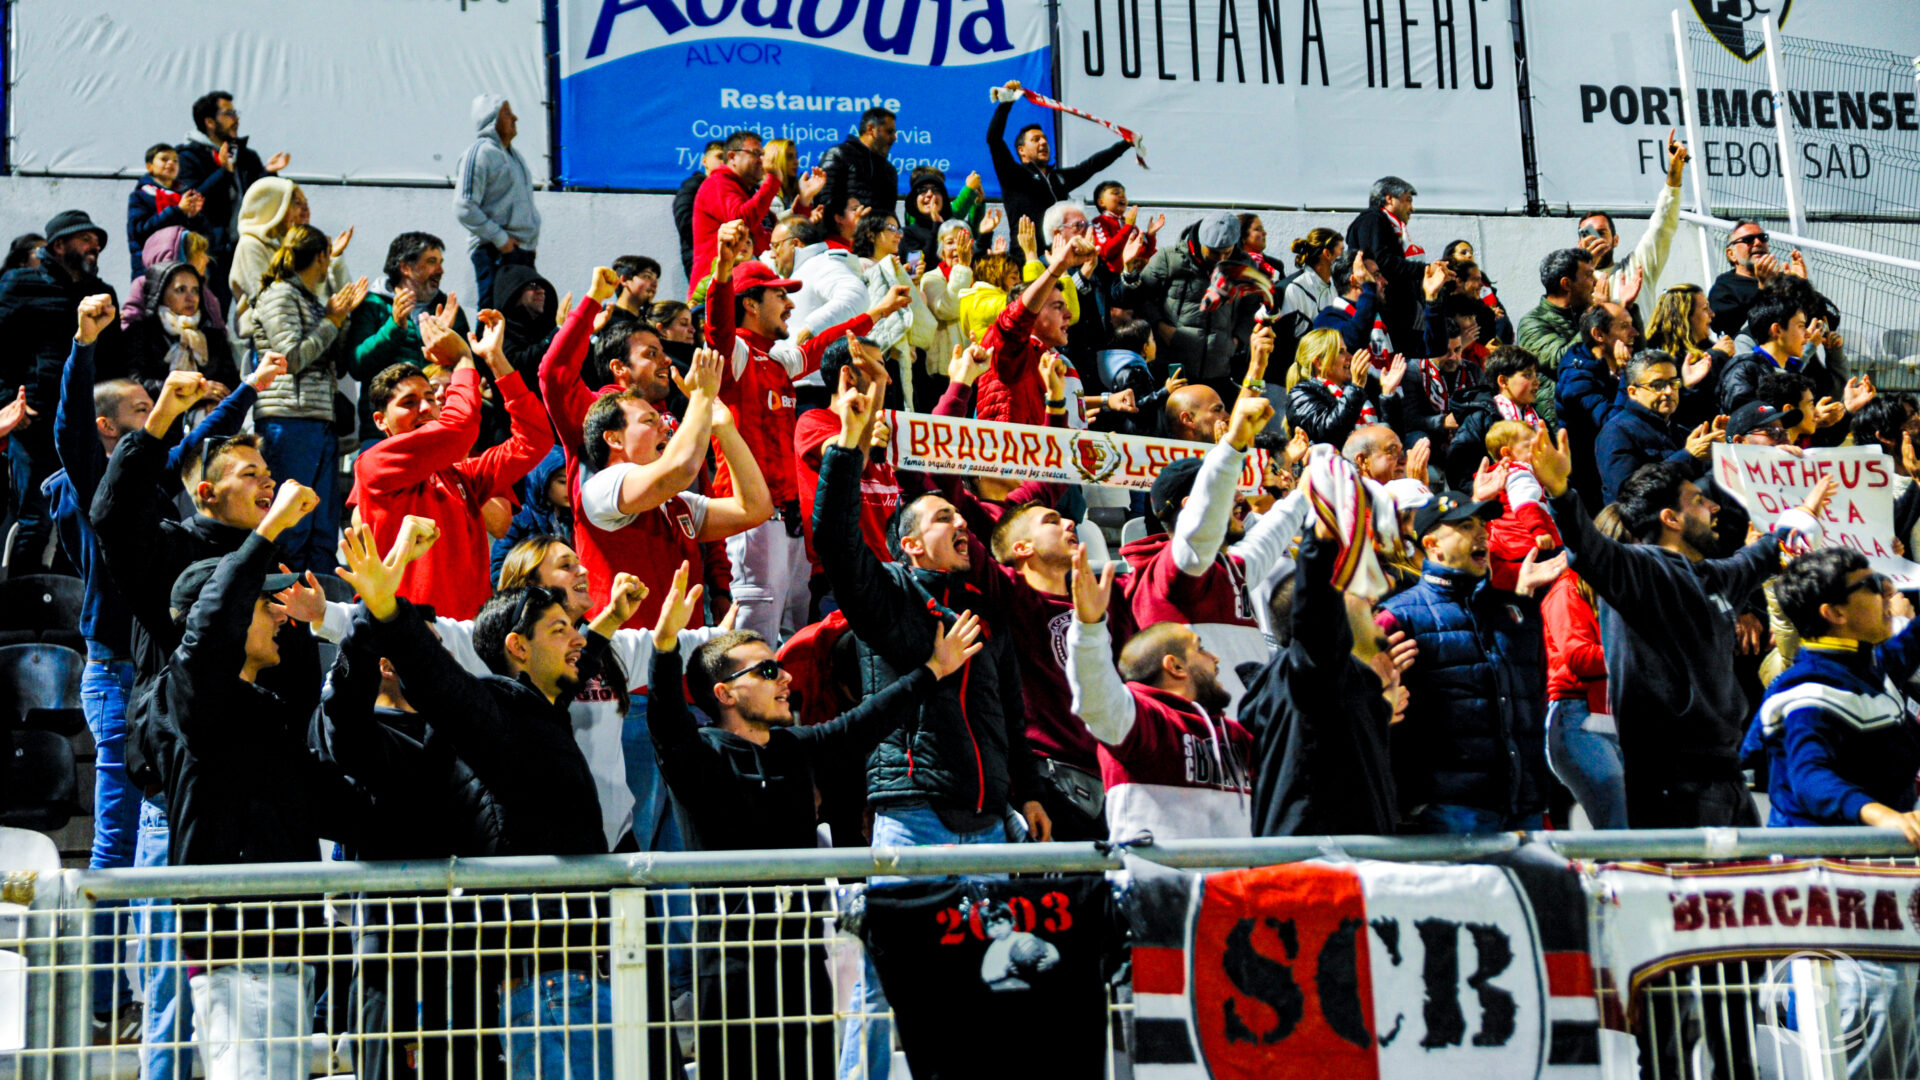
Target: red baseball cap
[{"x": 754, "y": 274}]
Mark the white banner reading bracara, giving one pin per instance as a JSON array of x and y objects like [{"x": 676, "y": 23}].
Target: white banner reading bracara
[
  {"x": 1606, "y": 89},
  {"x": 953, "y": 444},
  {"x": 1769, "y": 481},
  {"x": 1265, "y": 103},
  {"x": 361, "y": 90}
]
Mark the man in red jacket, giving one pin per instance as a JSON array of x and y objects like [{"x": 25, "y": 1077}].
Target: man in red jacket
[
  {"x": 422, "y": 467},
  {"x": 741, "y": 190},
  {"x": 1011, "y": 390},
  {"x": 769, "y": 562}
]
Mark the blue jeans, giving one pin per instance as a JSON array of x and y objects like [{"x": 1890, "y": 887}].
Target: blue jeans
[
  {"x": 169, "y": 1009},
  {"x": 866, "y": 1048},
  {"x": 1453, "y": 819},
  {"x": 104, "y": 689},
  {"x": 566, "y": 1003},
  {"x": 1588, "y": 762},
  {"x": 29, "y": 508},
  {"x": 307, "y": 451}
]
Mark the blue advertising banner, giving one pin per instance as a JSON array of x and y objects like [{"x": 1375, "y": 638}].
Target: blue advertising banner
[{"x": 644, "y": 84}]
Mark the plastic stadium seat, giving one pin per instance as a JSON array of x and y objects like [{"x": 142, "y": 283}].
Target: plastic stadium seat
[
  {"x": 40, "y": 677},
  {"x": 41, "y": 602},
  {"x": 1134, "y": 529},
  {"x": 41, "y": 790}
]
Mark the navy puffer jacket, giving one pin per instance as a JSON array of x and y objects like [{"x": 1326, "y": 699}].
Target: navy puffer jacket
[{"x": 1476, "y": 722}]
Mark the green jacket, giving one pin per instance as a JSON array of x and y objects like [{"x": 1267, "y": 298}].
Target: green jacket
[
  {"x": 375, "y": 342},
  {"x": 1548, "y": 332}
]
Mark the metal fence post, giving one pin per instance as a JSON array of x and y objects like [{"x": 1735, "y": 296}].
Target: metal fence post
[
  {"x": 628, "y": 918},
  {"x": 60, "y": 1005}
]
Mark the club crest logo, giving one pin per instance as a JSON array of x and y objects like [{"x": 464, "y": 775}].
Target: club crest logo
[
  {"x": 1736, "y": 23},
  {"x": 1096, "y": 455}
]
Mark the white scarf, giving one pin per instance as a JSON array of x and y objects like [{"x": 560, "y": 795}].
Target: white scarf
[{"x": 189, "y": 353}]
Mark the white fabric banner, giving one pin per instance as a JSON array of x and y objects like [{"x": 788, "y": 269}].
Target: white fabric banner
[
  {"x": 1769, "y": 481},
  {"x": 363, "y": 90},
  {"x": 1657, "y": 918},
  {"x": 1606, "y": 89},
  {"x": 952, "y": 444},
  {"x": 1268, "y": 103}
]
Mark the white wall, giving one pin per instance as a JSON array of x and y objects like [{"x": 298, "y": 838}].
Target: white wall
[{"x": 581, "y": 230}]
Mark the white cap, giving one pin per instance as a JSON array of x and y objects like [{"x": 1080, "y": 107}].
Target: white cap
[{"x": 1408, "y": 494}]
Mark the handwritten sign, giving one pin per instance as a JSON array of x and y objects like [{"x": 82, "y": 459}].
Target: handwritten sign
[
  {"x": 1769, "y": 481},
  {"x": 1022, "y": 452}
]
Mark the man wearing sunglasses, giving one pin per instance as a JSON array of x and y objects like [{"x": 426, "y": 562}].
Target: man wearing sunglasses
[
  {"x": 1749, "y": 250},
  {"x": 1836, "y": 726},
  {"x": 747, "y": 782}
]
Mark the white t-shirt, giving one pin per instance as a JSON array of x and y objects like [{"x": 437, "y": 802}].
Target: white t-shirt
[{"x": 600, "y": 500}]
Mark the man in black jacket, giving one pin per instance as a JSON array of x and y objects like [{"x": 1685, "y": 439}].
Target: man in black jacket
[
  {"x": 859, "y": 169},
  {"x": 1667, "y": 621},
  {"x": 1643, "y": 431},
  {"x": 1319, "y": 714},
  {"x": 1028, "y": 181},
  {"x": 513, "y": 729},
  {"x": 948, "y": 774},
  {"x": 241, "y": 788},
  {"x": 214, "y": 146},
  {"x": 1381, "y": 231},
  {"x": 37, "y": 310},
  {"x": 746, "y": 782}
]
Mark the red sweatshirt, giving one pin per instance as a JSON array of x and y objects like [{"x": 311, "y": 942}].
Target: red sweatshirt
[
  {"x": 757, "y": 384},
  {"x": 1112, "y": 233},
  {"x": 879, "y": 487},
  {"x": 1576, "y": 665},
  {"x": 1011, "y": 389},
  {"x": 427, "y": 472},
  {"x": 723, "y": 198}
]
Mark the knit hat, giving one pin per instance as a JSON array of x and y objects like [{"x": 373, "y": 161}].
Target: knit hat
[
  {"x": 72, "y": 223},
  {"x": 1219, "y": 230}
]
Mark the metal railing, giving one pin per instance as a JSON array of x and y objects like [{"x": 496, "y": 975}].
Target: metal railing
[{"x": 715, "y": 964}]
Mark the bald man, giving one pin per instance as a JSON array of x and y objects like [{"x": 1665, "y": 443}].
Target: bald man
[
  {"x": 1376, "y": 451},
  {"x": 1195, "y": 413}
]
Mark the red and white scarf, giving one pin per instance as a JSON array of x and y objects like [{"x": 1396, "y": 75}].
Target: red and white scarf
[
  {"x": 1001, "y": 94},
  {"x": 1367, "y": 415},
  {"x": 1358, "y": 512},
  {"x": 1510, "y": 411},
  {"x": 1384, "y": 356},
  {"x": 1407, "y": 246}
]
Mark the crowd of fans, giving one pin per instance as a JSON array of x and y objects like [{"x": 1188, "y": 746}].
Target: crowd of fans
[{"x": 635, "y": 573}]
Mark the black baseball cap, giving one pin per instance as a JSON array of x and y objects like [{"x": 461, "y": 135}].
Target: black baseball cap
[
  {"x": 188, "y": 586},
  {"x": 1174, "y": 484},
  {"x": 1755, "y": 415},
  {"x": 1451, "y": 507}
]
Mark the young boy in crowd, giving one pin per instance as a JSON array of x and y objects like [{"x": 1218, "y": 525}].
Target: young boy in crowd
[
  {"x": 1524, "y": 524},
  {"x": 156, "y": 203}
]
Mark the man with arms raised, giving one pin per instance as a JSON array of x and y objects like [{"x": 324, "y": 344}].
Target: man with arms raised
[
  {"x": 1667, "y": 622},
  {"x": 639, "y": 515},
  {"x": 422, "y": 467}
]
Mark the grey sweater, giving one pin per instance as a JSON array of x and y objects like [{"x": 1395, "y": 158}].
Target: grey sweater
[{"x": 493, "y": 189}]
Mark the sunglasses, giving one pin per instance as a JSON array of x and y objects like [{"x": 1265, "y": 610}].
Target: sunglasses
[
  {"x": 1751, "y": 238},
  {"x": 1875, "y": 583},
  {"x": 770, "y": 670},
  {"x": 210, "y": 448}
]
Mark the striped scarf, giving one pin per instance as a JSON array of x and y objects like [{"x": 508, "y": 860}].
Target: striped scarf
[
  {"x": 1358, "y": 513},
  {"x": 1510, "y": 411},
  {"x": 1233, "y": 280},
  {"x": 1367, "y": 414},
  {"x": 1440, "y": 386},
  {"x": 1001, "y": 95}
]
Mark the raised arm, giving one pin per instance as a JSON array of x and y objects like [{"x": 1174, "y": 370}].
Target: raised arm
[
  {"x": 858, "y": 730},
  {"x": 401, "y": 461},
  {"x": 75, "y": 437},
  {"x": 751, "y": 503},
  {"x": 1201, "y": 526},
  {"x": 567, "y": 399},
  {"x": 530, "y": 436},
  {"x": 1100, "y": 698},
  {"x": 644, "y": 487},
  {"x": 1077, "y": 175},
  {"x": 876, "y": 606}
]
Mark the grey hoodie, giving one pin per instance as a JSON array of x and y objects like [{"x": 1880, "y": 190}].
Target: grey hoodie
[{"x": 493, "y": 191}]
